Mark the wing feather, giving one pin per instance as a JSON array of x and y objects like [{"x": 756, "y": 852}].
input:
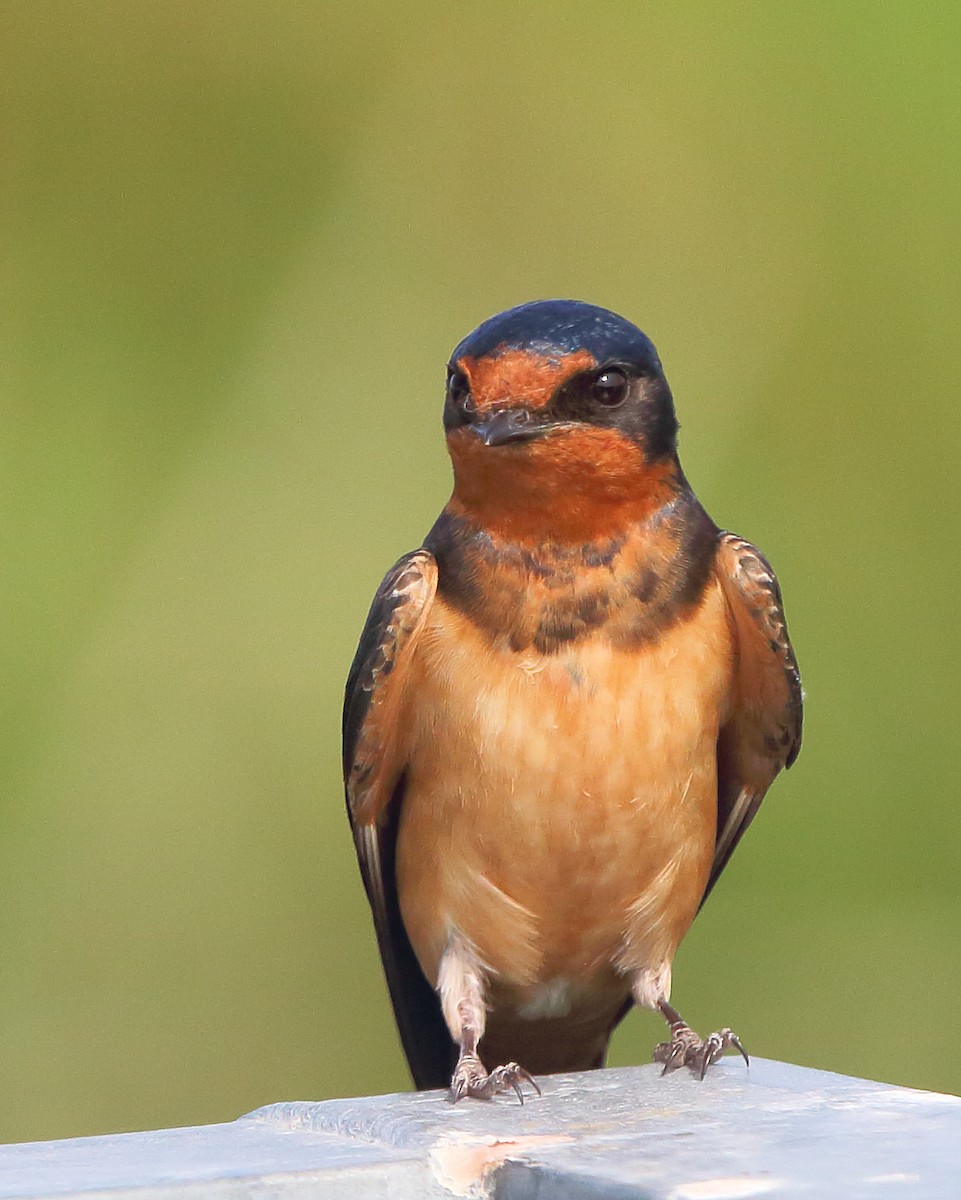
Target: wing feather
[
  {"x": 374, "y": 780},
  {"x": 762, "y": 732}
]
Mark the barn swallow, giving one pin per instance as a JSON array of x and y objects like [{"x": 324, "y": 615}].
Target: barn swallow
[{"x": 563, "y": 714}]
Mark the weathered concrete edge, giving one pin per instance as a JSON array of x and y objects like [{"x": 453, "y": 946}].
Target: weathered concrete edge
[{"x": 612, "y": 1134}]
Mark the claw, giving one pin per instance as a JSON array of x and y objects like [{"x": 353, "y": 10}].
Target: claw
[
  {"x": 511, "y": 1075},
  {"x": 736, "y": 1043},
  {"x": 527, "y": 1077},
  {"x": 709, "y": 1052},
  {"x": 686, "y": 1048},
  {"x": 674, "y": 1056},
  {"x": 470, "y": 1079}
]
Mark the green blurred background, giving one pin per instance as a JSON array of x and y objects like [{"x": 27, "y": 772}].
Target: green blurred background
[{"x": 238, "y": 243}]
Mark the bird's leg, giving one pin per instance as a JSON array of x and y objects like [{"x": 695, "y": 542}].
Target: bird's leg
[
  {"x": 470, "y": 1077},
  {"x": 687, "y": 1048},
  {"x": 461, "y": 988}
]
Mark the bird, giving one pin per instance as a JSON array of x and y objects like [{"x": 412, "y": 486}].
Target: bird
[{"x": 564, "y": 712}]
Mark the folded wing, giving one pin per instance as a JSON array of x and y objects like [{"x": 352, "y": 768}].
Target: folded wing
[
  {"x": 374, "y": 769},
  {"x": 762, "y": 732}
]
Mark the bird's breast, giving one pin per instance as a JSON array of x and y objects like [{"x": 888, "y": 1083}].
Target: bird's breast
[{"x": 560, "y": 809}]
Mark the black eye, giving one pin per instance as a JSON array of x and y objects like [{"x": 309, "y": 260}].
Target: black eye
[
  {"x": 609, "y": 387},
  {"x": 458, "y": 390}
]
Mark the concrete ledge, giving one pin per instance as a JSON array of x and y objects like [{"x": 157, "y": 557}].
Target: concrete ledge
[{"x": 777, "y": 1130}]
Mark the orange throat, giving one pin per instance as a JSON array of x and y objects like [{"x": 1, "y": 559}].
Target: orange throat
[{"x": 570, "y": 487}]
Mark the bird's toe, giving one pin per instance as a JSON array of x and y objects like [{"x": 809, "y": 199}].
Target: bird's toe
[
  {"x": 471, "y": 1079},
  {"x": 688, "y": 1049}
]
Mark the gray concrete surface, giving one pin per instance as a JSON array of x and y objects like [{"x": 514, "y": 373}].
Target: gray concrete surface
[{"x": 776, "y": 1130}]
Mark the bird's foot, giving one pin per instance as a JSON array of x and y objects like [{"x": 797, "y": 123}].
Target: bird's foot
[
  {"x": 471, "y": 1079},
  {"x": 688, "y": 1049}
]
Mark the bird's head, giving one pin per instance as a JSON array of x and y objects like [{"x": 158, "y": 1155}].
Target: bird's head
[{"x": 560, "y": 423}]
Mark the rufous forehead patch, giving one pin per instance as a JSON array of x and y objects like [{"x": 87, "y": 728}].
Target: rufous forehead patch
[{"x": 513, "y": 378}]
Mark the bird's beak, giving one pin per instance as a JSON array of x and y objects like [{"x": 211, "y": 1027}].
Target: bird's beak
[{"x": 509, "y": 425}]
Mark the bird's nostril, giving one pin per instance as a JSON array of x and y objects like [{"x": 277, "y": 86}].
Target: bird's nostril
[{"x": 522, "y": 417}]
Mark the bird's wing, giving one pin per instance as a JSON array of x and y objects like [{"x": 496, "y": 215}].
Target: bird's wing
[
  {"x": 374, "y": 779},
  {"x": 762, "y": 732}
]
